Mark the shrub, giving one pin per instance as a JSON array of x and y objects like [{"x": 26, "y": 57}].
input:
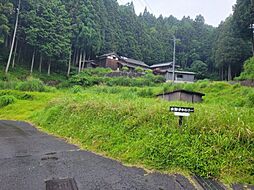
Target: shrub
[
  {"x": 31, "y": 85},
  {"x": 95, "y": 72},
  {"x": 200, "y": 68},
  {"x": 125, "y": 69},
  {"x": 139, "y": 69},
  {"x": 16, "y": 94},
  {"x": 250, "y": 100},
  {"x": 7, "y": 85},
  {"x": 76, "y": 89},
  {"x": 248, "y": 73},
  {"x": 6, "y": 100},
  {"x": 89, "y": 78},
  {"x": 146, "y": 92}
]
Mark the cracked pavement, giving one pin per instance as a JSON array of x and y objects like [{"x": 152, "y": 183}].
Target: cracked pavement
[{"x": 28, "y": 158}]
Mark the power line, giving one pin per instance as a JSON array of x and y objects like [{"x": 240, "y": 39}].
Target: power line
[
  {"x": 149, "y": 7},
  {"x": 141, "y": 3}
]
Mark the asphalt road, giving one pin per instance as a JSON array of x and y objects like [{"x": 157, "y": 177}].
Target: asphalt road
[{"x": 29, "y": 158}]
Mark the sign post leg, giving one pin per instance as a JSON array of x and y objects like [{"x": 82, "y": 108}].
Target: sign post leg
[{"x": 180, "y": 121}]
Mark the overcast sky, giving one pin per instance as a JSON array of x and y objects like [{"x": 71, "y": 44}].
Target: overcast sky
[{"x": 214, "y": 11}]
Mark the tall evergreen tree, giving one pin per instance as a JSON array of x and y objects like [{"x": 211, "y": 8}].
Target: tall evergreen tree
[
  {"x": 230, "y": 51},
  {"x": 244, "y": 19}
]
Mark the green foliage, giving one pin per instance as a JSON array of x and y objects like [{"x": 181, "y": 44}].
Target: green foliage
[
  {"x": 5, "y": 13},
  {"x": 243, "y": 17},
  {"x": 216, "y": 141},
  {"x": 139, "y": 70},
  {"x": 250, "y": 100},
  {"x": 31, "y": 84},
  {"x": 97, "y": 76},
  {"x": 17, "y": 94},
  {"x": 76, "y": 89},
  {"x": 130, "y": 124},
  {"x": 248, "y": 73},
  {"x": 5, "y": 100},
  {"x": 227, "y": 55},
  {"x": 125, "y": 69},
  {"x": 56, "y": 28},
  {"x": 200, "y": 68}
]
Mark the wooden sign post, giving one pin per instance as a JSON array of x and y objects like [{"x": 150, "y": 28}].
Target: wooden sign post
[{"x": 181, "y": 112}]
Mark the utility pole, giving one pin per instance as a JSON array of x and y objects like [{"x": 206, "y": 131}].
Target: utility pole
[
  {"x": 252, "y": 37},
  {"x": 174, "y": 60},
  {"x": 13, "y": 39}
]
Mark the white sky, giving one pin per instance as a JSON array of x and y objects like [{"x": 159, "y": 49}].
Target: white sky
[{"x": 214, "y": 11}]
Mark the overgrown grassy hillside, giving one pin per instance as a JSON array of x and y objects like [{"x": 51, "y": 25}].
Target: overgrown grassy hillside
[
  {"x": 132, "y": 125},
  {"x": 216, "y": 140}
]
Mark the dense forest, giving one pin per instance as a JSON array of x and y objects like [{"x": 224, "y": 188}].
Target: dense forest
[{"x": 59, "y": 34}]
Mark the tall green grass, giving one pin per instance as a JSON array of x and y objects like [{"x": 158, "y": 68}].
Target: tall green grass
[
  {"x": 216, "y": 141},
  {"x": 132, "y": 125}
]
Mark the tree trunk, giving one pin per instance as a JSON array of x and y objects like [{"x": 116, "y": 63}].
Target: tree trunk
[
  {"x": 13, "y": 39},
  {"x": 229, "y": 73},
  {"x": 6, "y": 42},
  {"x": 14, "y": 56},
  {"x": 19, "y": 54},
  {"x": 84, "y": 60},
  {"x": 222, "y": 73},
  {"x": 74, "y": 57},
  {"x": 80, "y": 61},
  {"x": 252, "y": 41},
  {"x": 32, "y": 63},
  {"x": 77, "y": 57},
  {"x": 49, "y": 66},
  {"x": 69, "y": 66},
  {"x": 40, "y": 64}
]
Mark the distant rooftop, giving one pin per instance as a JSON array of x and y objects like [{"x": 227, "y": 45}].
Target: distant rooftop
[
  {"x": 183, "y": 91},
  {"x": 135, "y": 62},
  {"x": 163, "y": 65},
  {"x": 108, "y": 54},
  {"x": 182, "y": 72}
]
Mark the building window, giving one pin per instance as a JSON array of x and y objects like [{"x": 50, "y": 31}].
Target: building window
[{"x": 180, "y": 76}]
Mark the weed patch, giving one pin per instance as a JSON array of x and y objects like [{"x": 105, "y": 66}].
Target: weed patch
[{"x": 6, "y": 100}]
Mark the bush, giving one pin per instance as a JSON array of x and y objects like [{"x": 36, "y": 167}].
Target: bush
[
  {"x": 250, "y": 100},
  {"x": 6, "y": 100},
  {"x": 76, "y": 89},
  {"x": 97, "y": 77},
  {"x": 31, "y": 85},
  {"x": 139, "y": 70},
  {"x": 101, "y": 72},
  {"x": 146, "y": 93},
  {"x": 248, "y": 73},
  {"x": 7, "y": 85},
  {"x": 200, "y": 68},
  {"x": 18, "y": 95},
  {"x": 125, "y": 69}
]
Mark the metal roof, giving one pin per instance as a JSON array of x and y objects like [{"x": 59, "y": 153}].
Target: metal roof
[
  {"x": 184, "y": 91},
  {"x": 109, "y": 54},
  {"x": 182, "y": 72},
  {"x": 135, "y": 62},
  {"x": 163, "y": 65}
]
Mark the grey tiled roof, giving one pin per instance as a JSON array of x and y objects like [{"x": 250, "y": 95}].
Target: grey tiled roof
[
  {"x": 135, "y": 62},
  {"x": 162, "y": 65},
  {"x": 182, "y": 72}
]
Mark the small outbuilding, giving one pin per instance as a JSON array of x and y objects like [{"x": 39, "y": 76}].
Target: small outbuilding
[
  {"x": 182, "y": 95},
  {"x": 180, "y": 76}
]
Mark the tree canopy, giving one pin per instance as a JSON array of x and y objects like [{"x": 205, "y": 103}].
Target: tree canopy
[{"x": 50, "y": 31}]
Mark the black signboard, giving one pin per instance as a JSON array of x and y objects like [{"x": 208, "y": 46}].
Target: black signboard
[{"x": 181, "y": 109}]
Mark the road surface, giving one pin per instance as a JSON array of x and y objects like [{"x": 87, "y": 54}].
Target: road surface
[{"x": 32, "y": 160}]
